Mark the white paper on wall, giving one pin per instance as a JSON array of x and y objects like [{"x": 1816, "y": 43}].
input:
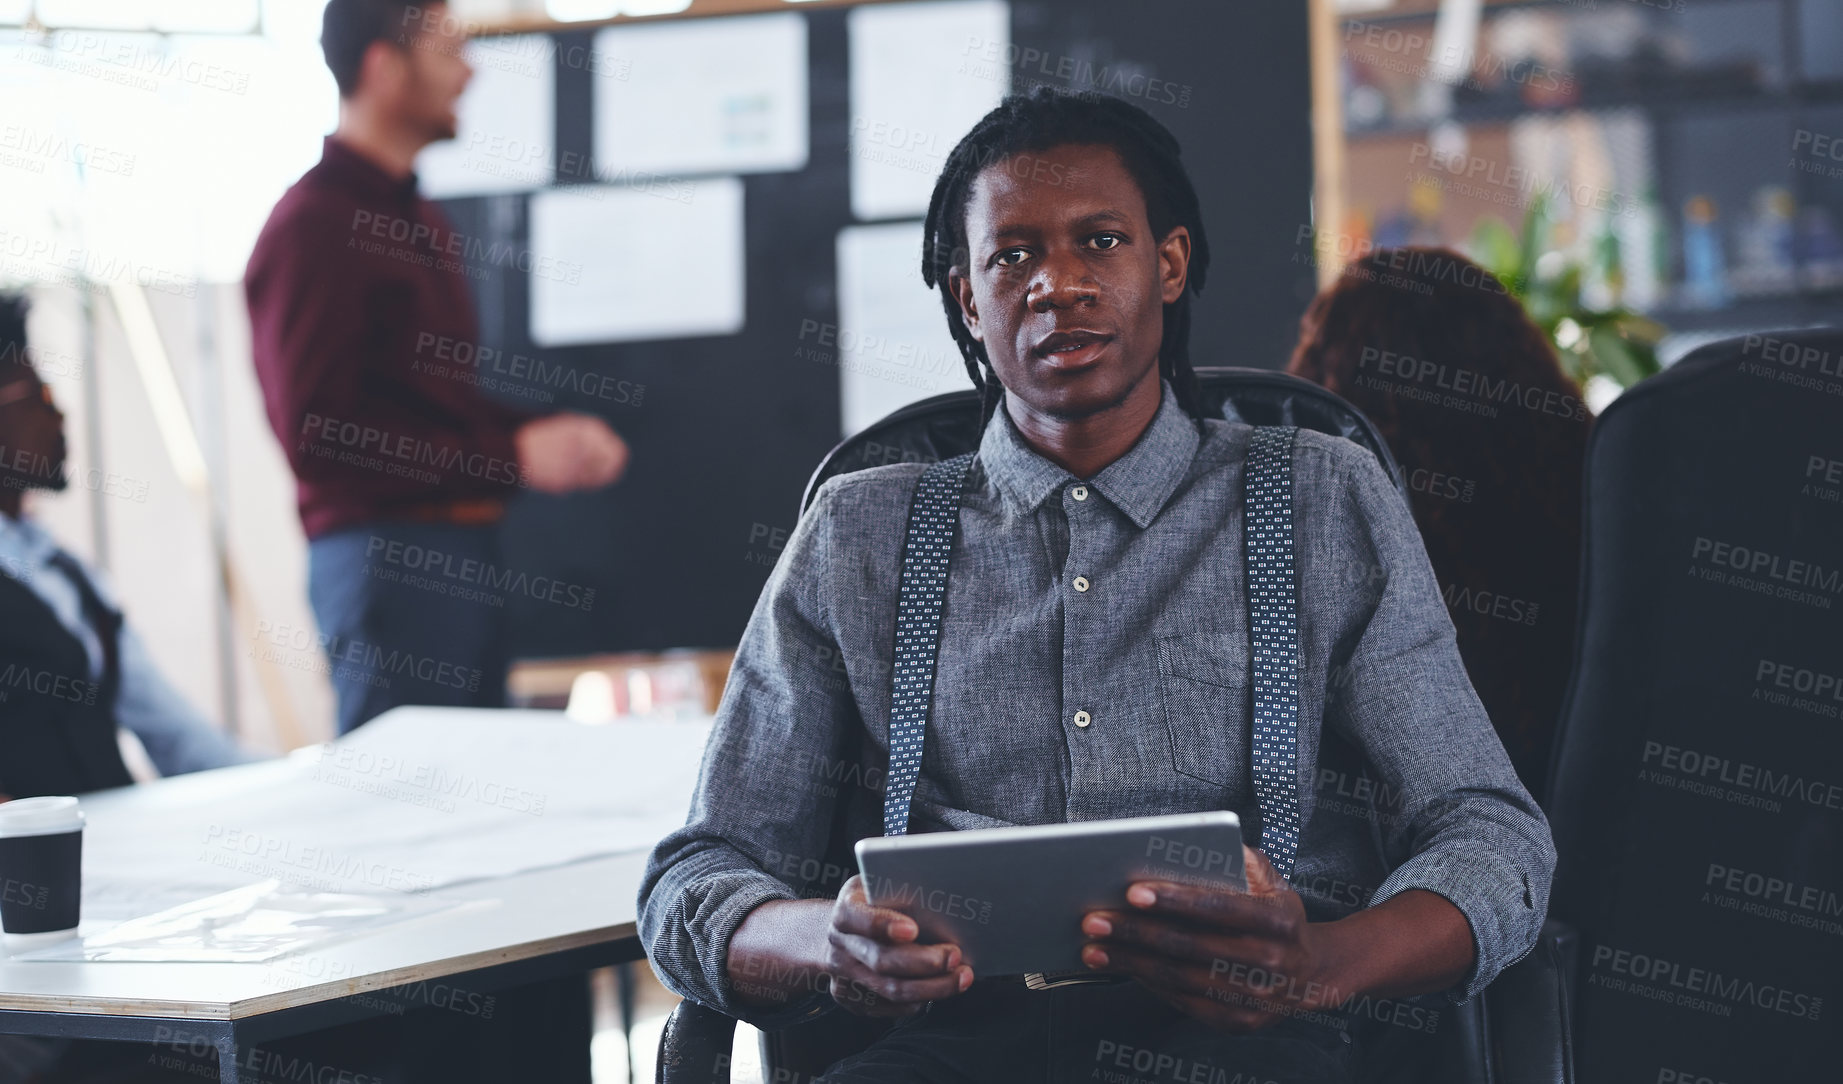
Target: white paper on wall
[
  {"x": 507, "y": 122},
  {"x": 701, "y": 96},
  {"x": 892, "y": 345},
  {"x": 921, "y": 76},
  {"x": 618, "y": 263}
]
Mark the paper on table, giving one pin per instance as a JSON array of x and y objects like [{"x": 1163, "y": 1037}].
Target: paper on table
[
  {"x": 702, "y": 96},
  {"x": 893, "y": 346},
  {"x": 417, "y": 799},
  {"x": 921, "y": 76},
  {"x": 641, "y": 262},
  {"x": 507, "y": 122},
  {"x": 258, "y": 922},
  {"x": 111, "y": 899}
]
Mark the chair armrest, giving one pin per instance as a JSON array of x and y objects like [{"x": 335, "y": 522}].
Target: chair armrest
[
  {"x": 695, "y": 1046},
  {"x": 1530, "y": 1009}
]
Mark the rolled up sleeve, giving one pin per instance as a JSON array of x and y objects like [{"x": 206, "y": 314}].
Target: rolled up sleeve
[
  {"x": 1465, "y": 827},
  {"x": 761, "y": 808}
]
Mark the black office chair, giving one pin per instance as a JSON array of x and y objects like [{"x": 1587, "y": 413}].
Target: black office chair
[
  {"x": 1696, "y": 791},
  {"x": 1515, "y": 1033}
]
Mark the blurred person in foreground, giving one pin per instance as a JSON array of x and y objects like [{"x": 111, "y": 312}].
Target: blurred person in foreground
[
  {"x": 1492, "y": 437},
  {"x": 359, "y": 302}
]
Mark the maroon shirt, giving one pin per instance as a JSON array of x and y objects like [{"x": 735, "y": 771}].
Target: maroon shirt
[{"x": 363, "y": 329}]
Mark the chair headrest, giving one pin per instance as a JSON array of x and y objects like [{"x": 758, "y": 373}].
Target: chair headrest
[{"x": 947, "y": 425}]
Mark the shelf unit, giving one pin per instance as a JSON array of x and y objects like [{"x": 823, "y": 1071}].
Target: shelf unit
[{"x": 1724, "y": 123}]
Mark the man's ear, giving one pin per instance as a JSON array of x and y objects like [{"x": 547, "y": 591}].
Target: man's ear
[
  {"x": 382, "y": 68},
  {"x": 1174, "y": 263},
  {"x": 962, "y": 289}
]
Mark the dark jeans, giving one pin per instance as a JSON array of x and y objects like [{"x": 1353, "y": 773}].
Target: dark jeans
[
  {"x": 1000, "y": 1031},
  {"x": 409, "y": 616}
]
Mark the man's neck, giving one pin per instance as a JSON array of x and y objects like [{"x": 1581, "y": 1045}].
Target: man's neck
[
  {"x": 388, "y": 146},
  {"x": 1085, "y": 446}
]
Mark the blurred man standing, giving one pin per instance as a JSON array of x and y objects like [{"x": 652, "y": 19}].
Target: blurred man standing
[{"x": 354, "y": 285}]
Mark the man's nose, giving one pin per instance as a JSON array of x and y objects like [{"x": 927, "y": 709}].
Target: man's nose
[{"x": 1062, "y": 284}]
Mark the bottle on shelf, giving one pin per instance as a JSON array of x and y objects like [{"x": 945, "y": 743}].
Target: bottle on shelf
[
  {"x": 1820, "y": 248},
  {"x": 1644, "y": 252},
  {"x": 1705, "y": 267},
  {"x": 1765, "y": 263}
]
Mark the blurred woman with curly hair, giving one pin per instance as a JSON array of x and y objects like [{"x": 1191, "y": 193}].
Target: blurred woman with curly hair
[{"x": 1491, "y": 435}]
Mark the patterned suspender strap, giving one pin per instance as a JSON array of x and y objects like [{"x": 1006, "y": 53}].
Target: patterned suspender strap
[
  {"x": 1273, "y": 624},
  {"x": 934, "y": 520}
]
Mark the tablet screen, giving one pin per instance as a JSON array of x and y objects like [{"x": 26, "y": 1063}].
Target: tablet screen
[{"x": 1013, "y": 898}]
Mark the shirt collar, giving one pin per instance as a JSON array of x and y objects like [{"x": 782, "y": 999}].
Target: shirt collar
[
  {"x": 1138, "y": 483},
  {"x": 350, "y": 167},
  {"x": 23, "y": 545}
]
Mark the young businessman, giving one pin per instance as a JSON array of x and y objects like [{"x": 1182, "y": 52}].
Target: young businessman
[{"x": 1094, "y": 663}]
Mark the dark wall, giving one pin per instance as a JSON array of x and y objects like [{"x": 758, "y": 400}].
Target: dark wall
[
  {"x": 1246, "y": 133},
  {"x": 727, "y": 429}
]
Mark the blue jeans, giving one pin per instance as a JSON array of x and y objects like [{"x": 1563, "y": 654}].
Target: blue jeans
[{"x": 407, "y": 615}]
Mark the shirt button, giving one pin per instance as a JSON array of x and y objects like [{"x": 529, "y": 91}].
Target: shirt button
[
  {"x": 1080, "y": 493},
  {"x": 1081, "y": 719},
  {"x": 1081, "y": 583}
]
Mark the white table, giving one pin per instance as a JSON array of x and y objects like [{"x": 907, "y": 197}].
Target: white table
[{"x": 505, "y": 930}]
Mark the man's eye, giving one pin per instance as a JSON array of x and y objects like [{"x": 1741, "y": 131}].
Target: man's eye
[
  {"x": 1105, "y": 241},
  {"x": 1009, "y": 257}
]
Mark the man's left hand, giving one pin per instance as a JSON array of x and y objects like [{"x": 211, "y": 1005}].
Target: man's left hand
[{"x": 1238, "y": 961}]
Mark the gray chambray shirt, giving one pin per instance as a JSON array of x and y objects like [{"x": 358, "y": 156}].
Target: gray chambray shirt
[{"x": 1094, "y": 664}]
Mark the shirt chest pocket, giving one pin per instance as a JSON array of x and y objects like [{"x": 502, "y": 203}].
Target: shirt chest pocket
[{"x": 1204, "y": 682}]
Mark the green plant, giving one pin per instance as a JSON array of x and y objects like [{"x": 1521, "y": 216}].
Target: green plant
[{"x": 1617, "y": 343}]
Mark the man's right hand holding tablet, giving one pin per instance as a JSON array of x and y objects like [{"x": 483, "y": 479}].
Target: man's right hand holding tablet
[{"x": 786, "y": 949}]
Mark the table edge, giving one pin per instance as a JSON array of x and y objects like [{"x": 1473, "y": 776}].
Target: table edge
[{"x": 319, "y": 993}]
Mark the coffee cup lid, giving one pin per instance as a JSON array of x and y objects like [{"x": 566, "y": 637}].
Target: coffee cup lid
[{"x": 39, "y": 816}]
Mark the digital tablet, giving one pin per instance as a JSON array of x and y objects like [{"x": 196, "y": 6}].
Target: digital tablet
[{"x": 1013, "y": 898}]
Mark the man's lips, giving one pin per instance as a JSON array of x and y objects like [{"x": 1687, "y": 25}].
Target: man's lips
[{"x": 1071, "y": 349}]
